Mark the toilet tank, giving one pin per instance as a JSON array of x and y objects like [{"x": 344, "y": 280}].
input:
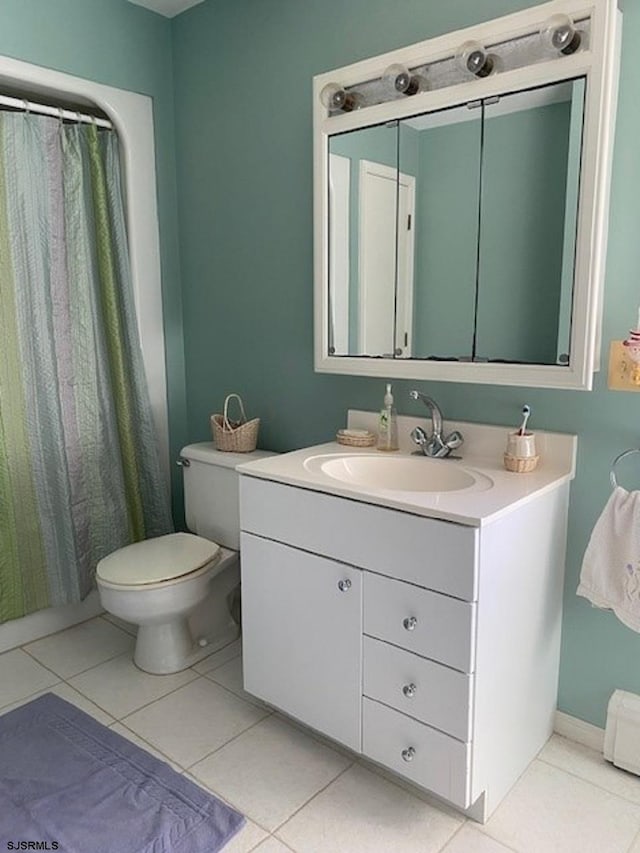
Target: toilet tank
[{"x": 211, "y": 491}]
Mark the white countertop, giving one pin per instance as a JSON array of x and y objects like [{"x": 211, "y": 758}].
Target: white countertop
[{"x": 495, "y": 493}]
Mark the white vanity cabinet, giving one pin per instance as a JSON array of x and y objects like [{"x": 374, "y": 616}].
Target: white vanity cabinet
[{"x": 429, "y": 646}]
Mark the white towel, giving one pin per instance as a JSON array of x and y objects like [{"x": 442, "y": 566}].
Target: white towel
[{"x": 610, "y": 575}]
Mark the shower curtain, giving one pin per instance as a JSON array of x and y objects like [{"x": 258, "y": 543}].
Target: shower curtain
[{"x": 79, "y": 464}]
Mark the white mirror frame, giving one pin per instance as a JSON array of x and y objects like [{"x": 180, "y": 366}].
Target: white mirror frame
[{"x": 600, "y": 65}]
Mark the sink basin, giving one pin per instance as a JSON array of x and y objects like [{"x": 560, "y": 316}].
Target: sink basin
[{"x": 396, "y": 473}]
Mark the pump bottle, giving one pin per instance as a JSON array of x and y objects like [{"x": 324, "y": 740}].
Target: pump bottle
[{"x": 388, "y": 423}]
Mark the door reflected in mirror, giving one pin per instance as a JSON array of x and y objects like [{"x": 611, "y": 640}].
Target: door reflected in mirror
[
  {"x": 363, "y": 193},
  {"x": 452, "y": 234}
]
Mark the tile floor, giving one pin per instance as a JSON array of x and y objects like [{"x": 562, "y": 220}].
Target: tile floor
[{"x": 298, "y": 792}]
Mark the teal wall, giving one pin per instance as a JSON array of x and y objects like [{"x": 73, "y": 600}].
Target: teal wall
[
  {"x": 118, "y": 44},
  {"x": 243, "y": 72}
]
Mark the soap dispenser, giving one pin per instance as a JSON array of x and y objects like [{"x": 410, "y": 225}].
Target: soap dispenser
[{"x": 388, "y": 423}]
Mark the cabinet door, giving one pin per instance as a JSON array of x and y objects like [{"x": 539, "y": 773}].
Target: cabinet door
[{"x": 302, "y": 636}]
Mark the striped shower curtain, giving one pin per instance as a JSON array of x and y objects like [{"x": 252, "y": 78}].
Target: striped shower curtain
[{"x": 79, "y": 465}]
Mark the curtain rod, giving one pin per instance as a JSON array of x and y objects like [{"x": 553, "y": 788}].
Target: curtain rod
[{"x": 58, "y": 112}]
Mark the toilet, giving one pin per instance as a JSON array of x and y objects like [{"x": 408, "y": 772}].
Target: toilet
[{"x": 180, "y": 589}]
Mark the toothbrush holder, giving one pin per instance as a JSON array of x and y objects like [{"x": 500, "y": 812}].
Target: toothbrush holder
[{"x": 521, "y": 455}]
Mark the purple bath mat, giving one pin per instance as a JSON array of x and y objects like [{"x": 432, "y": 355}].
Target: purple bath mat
[{"x": 71, "y": 782}]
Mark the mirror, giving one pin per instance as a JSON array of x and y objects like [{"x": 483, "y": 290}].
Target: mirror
[
  {"x": 461, "y": 222},
  {"x": 446, "y": 148},
  {"x": 455, "y": 231},
  {"x": 528, "y": 217}
]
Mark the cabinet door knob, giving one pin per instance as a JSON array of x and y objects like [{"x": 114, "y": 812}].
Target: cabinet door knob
[
  {"x": 409, "y": 690},
  {"x": 344, "y": 585},
  {"x": 410, "y": 623},
  {"x": 408, "y": 754}
]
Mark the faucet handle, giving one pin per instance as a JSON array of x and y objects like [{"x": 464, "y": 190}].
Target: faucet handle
[
  {"x": 419, "y": 436},
  {"x": 454, "y": 440}
]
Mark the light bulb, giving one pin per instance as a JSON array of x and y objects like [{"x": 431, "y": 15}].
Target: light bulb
[
  {"x": 558, "y": 33},
  {"x": 473, "y": 57},
  {"x": 334, "y": 97},
  {"x": 398, "y": 78}
]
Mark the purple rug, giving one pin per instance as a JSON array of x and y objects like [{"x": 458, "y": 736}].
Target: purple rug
[{"x": 71, "y": 782}]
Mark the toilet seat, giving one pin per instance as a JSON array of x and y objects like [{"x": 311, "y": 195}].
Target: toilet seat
[{"x": 154, "y": 561}]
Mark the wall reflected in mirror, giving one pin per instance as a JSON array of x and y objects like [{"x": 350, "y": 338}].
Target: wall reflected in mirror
[{"x": 452, "y": 234}]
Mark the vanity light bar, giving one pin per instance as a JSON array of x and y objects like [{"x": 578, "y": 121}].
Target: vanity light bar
[{"x": 559, "y": 35}]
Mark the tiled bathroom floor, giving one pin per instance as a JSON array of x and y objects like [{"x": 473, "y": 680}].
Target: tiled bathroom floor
[{"x": 297, "y": 792}]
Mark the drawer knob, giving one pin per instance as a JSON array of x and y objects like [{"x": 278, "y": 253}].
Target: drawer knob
[
  {"x": 410, "y": 623},
  {"x": 409, "y": 690},
  {"x": 344, "y": 585},
  {"x": 408, "y": 754}
]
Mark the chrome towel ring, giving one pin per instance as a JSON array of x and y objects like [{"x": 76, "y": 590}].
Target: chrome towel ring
[{"x": 619, "y": 457}]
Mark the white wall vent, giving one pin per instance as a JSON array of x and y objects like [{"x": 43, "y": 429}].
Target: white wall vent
[{"x": 622, "y": 734}]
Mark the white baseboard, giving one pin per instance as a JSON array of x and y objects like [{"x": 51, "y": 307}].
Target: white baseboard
[
  {"x": 17, "y": 632},
  {"x": 579, "y": 731}
]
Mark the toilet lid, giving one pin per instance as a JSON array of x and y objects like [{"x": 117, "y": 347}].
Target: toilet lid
[{"x": 154, "y": 560}]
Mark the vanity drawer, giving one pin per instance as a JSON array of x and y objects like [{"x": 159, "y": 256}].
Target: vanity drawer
[
  {"x": 438, "y": 555},
  {"x": 427, "y": 623},
  {"x": 421, "y": 754},
  {"x": 425, "y": 690}
]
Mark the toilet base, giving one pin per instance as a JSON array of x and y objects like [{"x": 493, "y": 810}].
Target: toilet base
[{"x": 162, "y": 649}]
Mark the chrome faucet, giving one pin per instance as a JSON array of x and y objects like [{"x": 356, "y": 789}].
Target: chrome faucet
[{"x": 434, "y": 445}]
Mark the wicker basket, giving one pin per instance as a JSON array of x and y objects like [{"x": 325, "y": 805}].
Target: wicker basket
[
  {"x": 365, "y": 439},
  {"x": 520, "y": 464},
  {"x": 239, "y": 436}
]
